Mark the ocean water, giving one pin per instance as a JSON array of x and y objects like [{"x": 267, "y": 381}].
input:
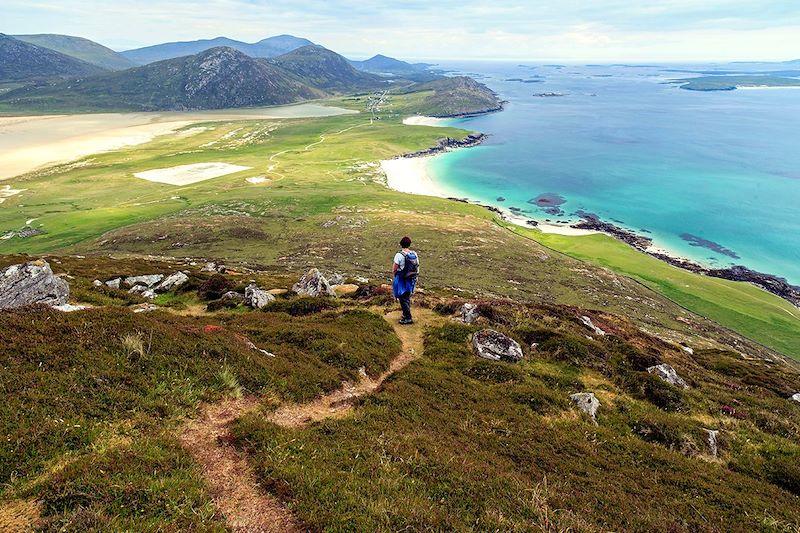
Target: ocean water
[{"x": 711, "y": 176}]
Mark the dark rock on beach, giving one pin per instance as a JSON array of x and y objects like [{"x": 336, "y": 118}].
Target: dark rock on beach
[{"x": 592, "y": 222}]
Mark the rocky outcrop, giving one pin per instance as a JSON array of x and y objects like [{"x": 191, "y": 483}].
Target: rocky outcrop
[
  {"x": 491, "y": 344},
  {"x": 586, "y": 402},
  {"x": 668, "y": 374},
  {"x": 146, "y": 280},
  {"x": 313, "y": 284},
  {"x": 447, "y": 144},
  {"x": 172, "y": 282},
  {"x": 469, "y": 313},
  {"x": 257, "y": 298},
  {"x": 31, "y": 283}
]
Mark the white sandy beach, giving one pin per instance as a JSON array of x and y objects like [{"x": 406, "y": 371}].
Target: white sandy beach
[
  {"x": 31, "y": 142},
  {"x": 412, "y": 175},
  {"x": 424, "y": 121}
]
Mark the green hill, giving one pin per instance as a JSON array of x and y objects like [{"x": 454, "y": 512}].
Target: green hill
[
  {"x": 325, "y": 70},
  {"x": 456, "y": 96},
  {"x": 25, "y": 62},
  {"x": 80, "y": 48}
]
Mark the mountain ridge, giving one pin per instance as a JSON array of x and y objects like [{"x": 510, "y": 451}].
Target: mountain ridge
[
  {"x": 79, "y": 48},
  {"x": 268, "y": 47}
]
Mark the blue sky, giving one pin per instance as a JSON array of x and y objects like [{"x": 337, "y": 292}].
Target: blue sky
[{"x": 578, "y": 30}]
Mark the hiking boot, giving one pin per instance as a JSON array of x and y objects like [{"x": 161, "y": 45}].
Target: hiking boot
[{"x": 406, "y": 321}]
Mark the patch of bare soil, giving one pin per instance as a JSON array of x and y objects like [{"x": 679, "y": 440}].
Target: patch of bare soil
[{"x": 231, "y": 480}]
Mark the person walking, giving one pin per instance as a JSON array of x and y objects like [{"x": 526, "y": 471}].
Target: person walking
[{"x": 405, "y": 271}]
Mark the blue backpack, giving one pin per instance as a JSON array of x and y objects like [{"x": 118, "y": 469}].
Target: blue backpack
[{"x": 410, "y": 266}]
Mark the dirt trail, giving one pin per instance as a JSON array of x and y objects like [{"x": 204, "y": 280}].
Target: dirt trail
[
  {"x": 231, "y": 479},
  {"x": 339, "y": 402}
]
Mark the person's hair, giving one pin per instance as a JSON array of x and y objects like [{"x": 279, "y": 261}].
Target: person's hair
[{"x": 405, "y": 242}]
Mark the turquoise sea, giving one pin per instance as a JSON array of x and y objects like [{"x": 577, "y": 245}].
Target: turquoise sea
[{"x": 711, "y": 176}]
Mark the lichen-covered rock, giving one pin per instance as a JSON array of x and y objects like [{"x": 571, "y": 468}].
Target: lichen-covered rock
[
  {"x": 711, "y": 440},
  {"x": 31, "y": 283},
  {"x": 115, "y": 283},
  {"x": 469, "y": 313},
  {"x": 668, "y": 374},
  {"x": 795, "y": 397},
  {"x": 491, "y": 344},
  {"x": 313, "y": 284},
  {"x": 257, "y": 298},
  {"x": 586, "y": 402},
  {"x": 335, "y": 279},
  {"x": 97, "y": 283},
  {"x": 172, "y": 282},
  {"x": 143, "y": 290},
  {"x": 148, "y": 280},
  {"x": 233, "y": 296}
]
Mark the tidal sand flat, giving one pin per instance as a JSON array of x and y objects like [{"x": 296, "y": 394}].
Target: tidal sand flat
[
  {"x": 188, "y": 174},
  {"x": 28, "y": 143}
]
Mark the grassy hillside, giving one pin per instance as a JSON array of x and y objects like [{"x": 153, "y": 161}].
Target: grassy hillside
[
  {"x": 741, "y": 306},
  {"x": 454, "y": 96},
  {"x": 326, "y": 70},
  {"x": 24, "y": 62},
  {"x": 93, "y": 404},
  {"x": 80, "y": 48}
]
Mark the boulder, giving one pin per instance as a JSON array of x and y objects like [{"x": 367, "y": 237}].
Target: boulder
[
  {"x": 97, "y": 283},
  {"x": 257, "y": 298},
  {"x": 795, "y": 397},
  {"x": 69, "y": 308},
  {"x": 668, "y": 374},
  {"x": 233, "y": 296},
  {"x": 148, "y": 280},
  {"x": 589, "y": 324},
  {"x": 313, "y": 284},
  {"x": 115, "y": 283},
  {"x": 143, "y": 290},
  {"x": 711, "y": 440},
  {"x": 31, "y": 283},
  {"x": 586, "y": 402},
  {"x": 469, "y": 313},
  {"x": 491, "y": 344},
  {"x": 335, "y": 279},
  {"x": 172, "y": 282},
  {"x": 209, "y": 267}
]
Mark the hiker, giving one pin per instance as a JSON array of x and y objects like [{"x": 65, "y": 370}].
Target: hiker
[{"x": 404, "y": 273}]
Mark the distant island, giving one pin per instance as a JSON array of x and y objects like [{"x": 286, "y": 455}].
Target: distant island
[{"x": 731, "y": 83}]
